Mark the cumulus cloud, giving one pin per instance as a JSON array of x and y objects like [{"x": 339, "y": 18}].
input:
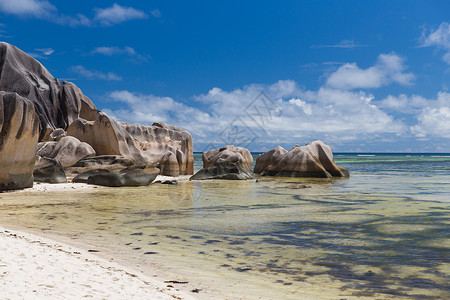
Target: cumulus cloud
[
  {"x": 403, "y": 103},
  {"x": 110, "y": 51},
  {"x": 117, "y": 14},
  {"x": 146, "y": 109},
  {"x": 42, "y": 53},
  {"x": 94, "y": 74},
  {"x": 42, "y": 9},
  {"x": 440, "y": 38},
  {"x": 345, "y": 44},
  {"x": 293, "y": 115},
  {"x": 388, "y": 69},
  {"x": 36, "y": 8},
  {"x": 434, "y": 118}
]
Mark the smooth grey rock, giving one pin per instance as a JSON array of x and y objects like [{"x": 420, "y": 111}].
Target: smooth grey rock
[
  {"x": 168, "y": 146},
  {"x": 19, "y": 133},
  {"x": 228, "y": 162},
  {"x": 313, "y": 160},
  {"x": 57, "y": 134},
  {"x": 83, "y": 177},
  {"x": 130, "y": 177},
  {"x": 49, "y": 170},
  {"x": 67, "y": 151},
  {"x": 57, "y": 103},
  {"x": 223, "y": 170}
]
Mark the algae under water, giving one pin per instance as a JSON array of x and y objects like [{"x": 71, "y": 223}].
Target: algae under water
[{"x": 382, "y": 233}]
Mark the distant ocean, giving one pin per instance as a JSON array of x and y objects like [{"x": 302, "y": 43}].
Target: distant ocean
[{"x": 382, "y": 233}]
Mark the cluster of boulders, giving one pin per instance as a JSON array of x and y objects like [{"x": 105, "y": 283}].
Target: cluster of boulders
[
  {"x": 230, "y": 162},
  {"x": 49, "y": 128},
  {"x": 50, "y": 131}
]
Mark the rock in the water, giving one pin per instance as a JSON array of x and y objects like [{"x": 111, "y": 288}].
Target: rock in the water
[
  {"x": 19, "y": 132},
  {"x": 68, "y": 151},
  {"x": 56, "y": 103},
  {"x": 228, "y": 162},
  {"x": 128, "y": 177},
  {"x": 49, "y": 170},
  {"x": 313, "y": 160},
  {"x": 163, "y": 144}
]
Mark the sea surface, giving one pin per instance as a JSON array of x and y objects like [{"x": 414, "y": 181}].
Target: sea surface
[{"x": 383, "y": 233}]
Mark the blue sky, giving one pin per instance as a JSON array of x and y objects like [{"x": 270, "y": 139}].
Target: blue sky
[{"x": 360, "y": 75}]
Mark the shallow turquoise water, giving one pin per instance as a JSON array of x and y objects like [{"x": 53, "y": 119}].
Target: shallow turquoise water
[{"x": 382, "y": 233}]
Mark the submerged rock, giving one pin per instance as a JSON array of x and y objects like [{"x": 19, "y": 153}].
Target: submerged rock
[
  {"x": 313, "y": 160},
  {"x": 228, "y": 162},
  {"x": 19, "y": 132},
  {"x": 49, "y": 170},
  {"x": 57, "y": 103}
]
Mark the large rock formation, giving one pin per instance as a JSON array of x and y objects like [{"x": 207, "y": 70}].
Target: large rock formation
[
  {"x": 167, "y": 146},
  {"x": 313, "y": 160},
  {"x": 57, "y": 103},
  {"x": 67, "y": 151},
  {"x": 228, "y": 162},
  {"x": 61, "y": 106},
  {"x": 19, "y": 132}
]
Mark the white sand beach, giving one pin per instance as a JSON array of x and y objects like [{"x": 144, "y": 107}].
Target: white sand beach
[{"x": 33, "y": 267}]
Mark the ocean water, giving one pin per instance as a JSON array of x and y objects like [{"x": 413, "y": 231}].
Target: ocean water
[{"x": 383, "y": 233}]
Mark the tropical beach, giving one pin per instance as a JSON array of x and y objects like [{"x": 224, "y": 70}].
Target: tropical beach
[{"x": 224, "y": 151}]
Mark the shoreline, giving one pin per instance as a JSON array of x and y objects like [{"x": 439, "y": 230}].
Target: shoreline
[{"x": 34, "y": 266}]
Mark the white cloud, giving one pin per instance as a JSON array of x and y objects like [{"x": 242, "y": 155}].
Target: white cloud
[
  {"x": 403, "y": 103},
  {"x": 110, "y": 51},
  {"x": 156, "y": 13},
  {"x": 330, "y": 114},
  {"x": 439, "y": 38},
  {"x": 117, "y": 14},
  {"x": 42, "y": 53},
  {"x": 43, "y": 9},
  {"x": 94, "y": 74},
  {"x": 345, "y": 44},
  {"x": 146, "y": 109},
  {"x": 35, "y": 8},
  {"x": 434, "y": 118},
  {"x": 46, "y": 51},
  {"x": 388, "y": 69}
]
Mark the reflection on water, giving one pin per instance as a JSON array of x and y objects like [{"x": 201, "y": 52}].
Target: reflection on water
[{"x": 383, "y": 233}]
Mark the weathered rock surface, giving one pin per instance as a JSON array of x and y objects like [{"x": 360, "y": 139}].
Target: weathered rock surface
[
  {"x": 57, "y": 103},
  {"x": 19, "y": 132},
  {"x": 62, "y": 110},
  {"x": 49, "y": 170},
  {"x": 313, "y": 160},
  {"x": 228, "y": 162},
  {"x": 135, "y": 176},
  {"x": 67, "y": 151},
  {"x": 83, "y": 177},
  {"x": 57, "y": 134},
  {"x": 167, "y": 146}
]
